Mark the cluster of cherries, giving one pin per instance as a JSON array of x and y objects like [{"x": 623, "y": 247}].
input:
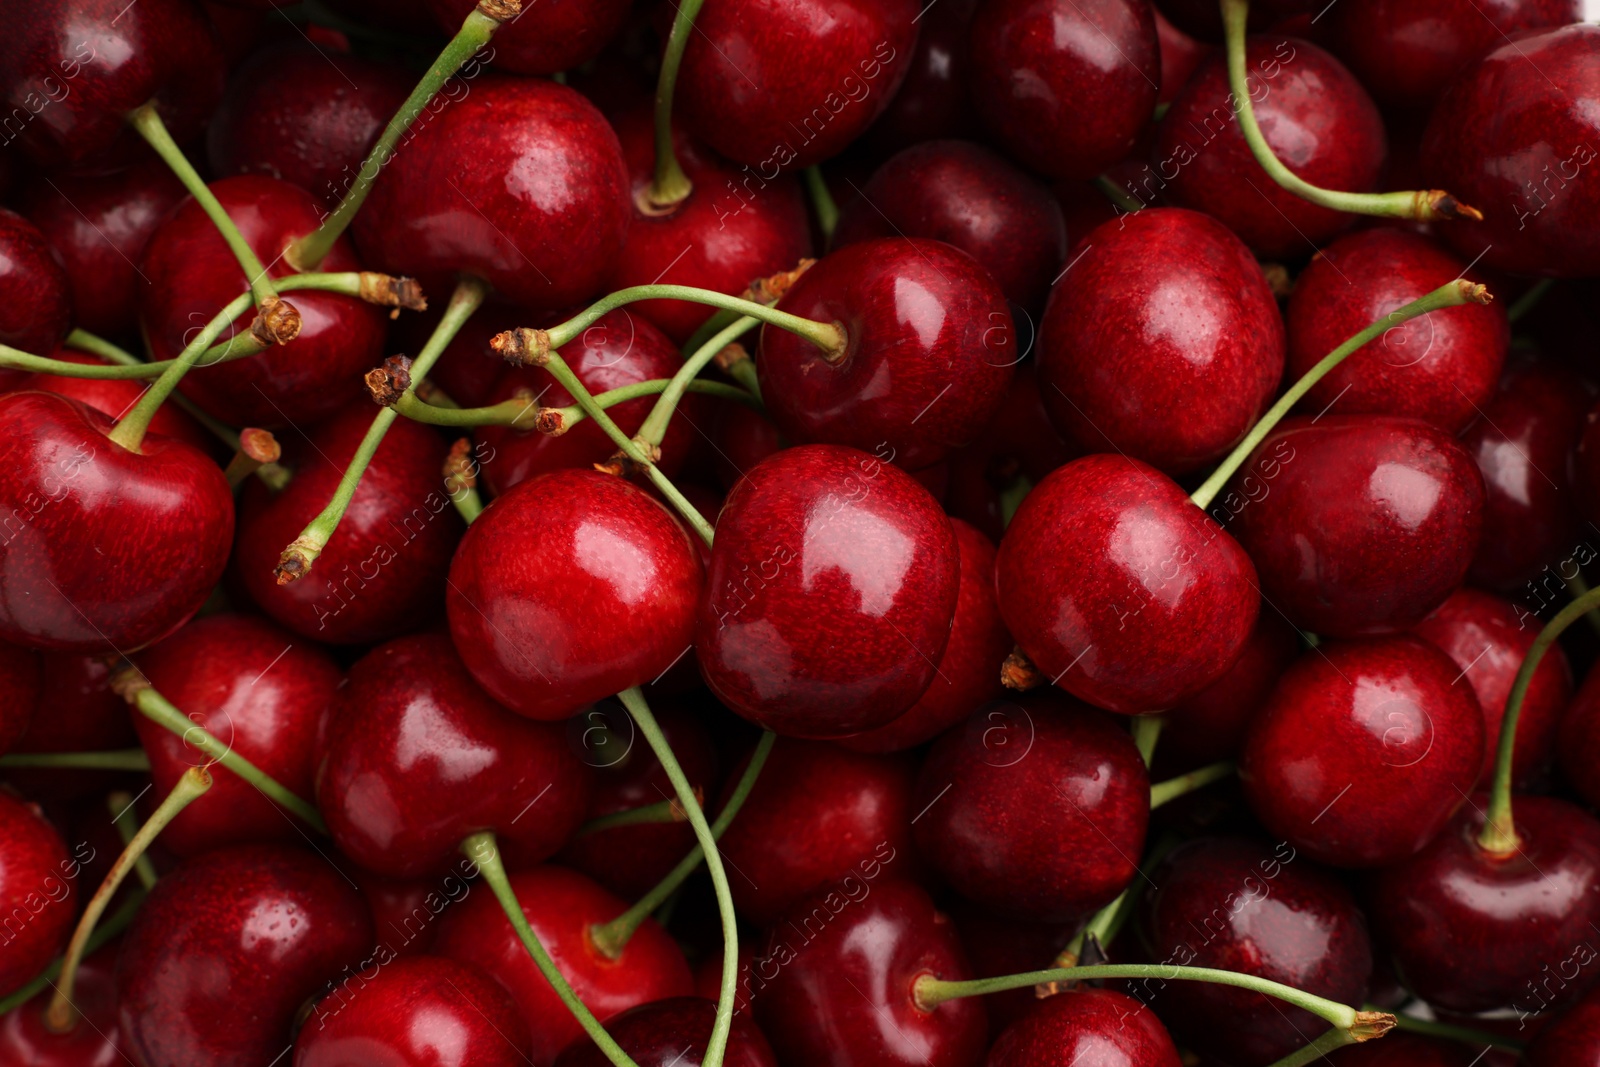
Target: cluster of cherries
[{"x": 1122, "y": 601}]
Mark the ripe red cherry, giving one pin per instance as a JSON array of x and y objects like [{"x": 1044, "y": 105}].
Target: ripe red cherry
[
  {"x": 1120, "y": 590},
  {"x": 1086, "y": 1026},
  {"x": 934, "y": 102},
  {"x": 38, "y": 881},
  {"x": 996, "y": 945},
  {"x": 1162, "y": 341},
  {"x": 115, "y": 397},
  {"x": 606, "y": 602},
  {"x": 928, "y": 357},
  {"x": 1210, "y": 725},
  {"x": 1036, "y": 807},
  {"x": 520, "y": 182},
  {"x": 1180, "y": 55},
  {"x": 20, "y": 685},
  {"x": 1406, "y": 1050},
  {"x": 1315, "y": 117},
  {"x": 25, "y": 1041},
  {"x": 1367, "y": 523},
  {"x": 84, "y": 716},
  {"x": 1573, "y": 1040},
  {"x": 35, "y": 293},
  {"x": 1065, "y": 87},
  {"x": 830, "y": 593},
  {"x": 547, "y": 37},
  {"x": 1364, "y": 750},
  {"x": 673, "y": 1033}
]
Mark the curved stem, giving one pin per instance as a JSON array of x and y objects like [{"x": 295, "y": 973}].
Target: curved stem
[
  {"x": 1465, "y": 1035},
  {"x": 670, "y": 186},
  {"x": 827, "y": 336},
  {"x": 1576, "y": 587},
  {"x": 1117, "y": 195},
  {"x": 1318, "y": 1049},
  {"x": 1448, "y": 295},
  {"x": 662, "y": 811},
  {"x": 119, "y": 921},
  {"x": 822, "y": 203},
  {"x": 126, "y": 820},
  {"x": 1173, "y": 788},
  {"x": 84, "y": 341},
  {"x": 126, "y": 759},
  {"x": 525, "y": 414},
  {"x": 654, "y": 428},
  {"x": 1146, "y": 732},
  {"x": 1529, "y": 300}
]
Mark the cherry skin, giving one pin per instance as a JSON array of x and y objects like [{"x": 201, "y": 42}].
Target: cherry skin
[
  {"x": 673, "y": 1033},
  {"x": 1045, "y": 88},
  {"x": 1180, "y": 55},
  {"x": 114, "y": 397},
  {"x": 20, "y": 686},
  {"x": 383, "y": 571},
  {"x": 25, "y": 1041},
  {"x": 996, "y": 945},
  {"x": 829, "y": 598},
  {"x": 1367, "y": 523},
  {"x": 929, "y": 351},
  {"x": 1086, "y": 1028},
  {"x": 836, "y": 977},
  {"x": 1363, "y": 751},
  {"x": 783, "y": 84},
  {"x": 461, "y": 196},
  {"x": 1578, "y": 738},
  {"x": 35, "y": 293},
  {"x": 115, "y": 549},
  {"x": 421, "y": 1011},
  {"x": 934, "y": 102},
  {"x": 84, "y": 716},
  {"x": 1472, "y": 931},
  {"x": 1245, "y": 906},
  {"x": 1203, "y": 20},
  {"x": 38, "y": 882},
  {"x": 546, "y": 37},
  {"x": 1315, "y": 117},
  {"x": 1441, "y": 368},
  {"x": 1162, "y": 342},
  {"x": 561, "y": 906},
  {"x": 1405, "y": 1050},
  {"x": 1573, "y": 1040},
  {"x": 1131, "y": 622},
  {"x": 743, "y": 438}
]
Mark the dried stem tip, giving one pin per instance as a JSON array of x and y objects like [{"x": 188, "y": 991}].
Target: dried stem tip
[
  {"x": 550, "y": 421},
  {"x": 460, "y": 470},
  {"x": 388, "y": 383},
  {"x": 1438, "y": 204},
  {"x": 731, "y": 357},
  {"x": 523, "y": 346},
  {"x": 389, "y": 291},
  {"x": 1371, "y": 1024},
  {"x": 1478, "y": 294},
  {"x": 296, "y": 560},
  {"x": 277, "y": 323},
  {"x": 770, "y": 290},
  {"x": 259, "y": 445},
  {"x": 128, "y": 683},
  {"x": 1018, "y": 672},
  {"x": 678, "y": 812},
  {"x": 501, "y": 10}
]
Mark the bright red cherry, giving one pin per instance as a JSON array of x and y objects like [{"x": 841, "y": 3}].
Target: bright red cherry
[
  {"x": 548, "y": 36},
  {"x": 1210, "y": 725},
  {"x": 673, "y": 1033},
  {"x": 1083, "y": 1027},
  {"x": 115, "y": 397},
  {"x": 25, "y": 1041},
  {"x": 35, "y": 293},
  {"x": 38, "y": 881},
  {"x": 1573, "y": 1040}
]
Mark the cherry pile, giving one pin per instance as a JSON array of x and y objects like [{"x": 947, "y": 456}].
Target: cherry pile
[{"x": 799, "y": 533}]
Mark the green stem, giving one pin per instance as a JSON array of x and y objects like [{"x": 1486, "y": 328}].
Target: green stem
[
  {"x": 827, "y": 336},
  {"x": 662, "y": 811},
  {"x": 822, "y": 203},
  {"x": 1173, "y": 788},
  {"x": 1117, "y": 195},
  {"x": 524, "y": 413},
  {"x": 84, "y": 341},
  {"x": 126, "y": 820},
  {"x": 654, "y": 428},
  {"x": 127, "y": 759},
  {"x": 1146, "y": 732},
  {"x": 1448, "y": 295},
  {"x": 1318, "y": 1049},
  {"x": 1465, "y": 1035},
  {"x": 670, "y": 186},
  {"x": 1577, "y": 587},
  {"x": 1530, "y": 300},
  {"x": 120, "y": 920}
]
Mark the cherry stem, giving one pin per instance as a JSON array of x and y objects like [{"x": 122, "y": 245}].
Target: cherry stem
[
  {"x": 829, "y": 337},
  {"x": 126, "y": 759},
  {"x": 1173, "y": 788},
  {"x": 1530, "y": 300},
  {"x": 1146, "y": 732},
  {"x": 1421, "y": 204},
  {"x": 480, "y": 25},
  {"x": 484, "y": 852},
  {"x": 297, "y": 559},
  {"x": 461, "y": 481},
  {"x": 126, "y": 820},
  {"x": 612, "y": 937},
  {"x": 1577, "y": 587},
  {"x": 1117, "y": 195},
  {"x": 1465, "y": 1035},
  {"x": 1448, "y": 295},
  {"x": 1318, "y": 1049},
  {"x": 1499, "y": 834},
  {"x": 670, "y": 186},
  {"x": 654, "y": 428},
  {"x": 522, "y": 413},
  {"x": 662, "y": 811},
  {"x": 822, "y": 203},
  {"x": 85, "y": 341},
  {"x": 112, "y": 927}
]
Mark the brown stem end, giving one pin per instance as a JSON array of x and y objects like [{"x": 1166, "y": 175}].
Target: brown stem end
[
  {"x": 386, "y": 290},
  {"x": 501, "y": 10},
  {"x": 730, "y": 357},
  {"x": 259, "y": 445},
  {"x": 388, "y": 383},
  {"x": 770, "y": 290},
  {"x": 550, "y": 421},
  {"x": 1019, "y": 673},
  {"x": 1370, "y": 1025},
  {"x": 1438, "y": 204},
  {"x": 128, "y": 683},
  {"x": 295, "y": 562},
  {"x": 277, "y": 323},
  {"x": 460, "y": 472},
  {"x": 523, "y": 346},
  {"x": 1475, "y": 293}
]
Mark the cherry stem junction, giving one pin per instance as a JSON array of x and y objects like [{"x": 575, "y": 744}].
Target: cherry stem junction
[
  {"x": 654, "y": 428},
  {"x": 829, "y": 337},
  {"x": 670, "y": 186}
]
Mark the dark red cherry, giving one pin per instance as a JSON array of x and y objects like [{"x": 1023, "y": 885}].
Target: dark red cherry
[
  {"x": 259, "y": 925},
  {"x": 1210, "y": 725},
  {"x": 606, "y": 602},
  {"x": 548, "y": 36},
  {"x": 1316, "y": 118},
  {"x": 1365, "y": 524},
  {"x": 115, "y": 397},
  {"x": 1203, "y": 20},
  {"x": 1407, "y": 1050},
  {"x": 35, "y": 293},
  {"x": 1120, "y": 590},
  {"x": 1065, "y": 87},
  {"x": 520, "y": 182},
  {"x": 422, "y": 1011},
  {"x": 405, "y": 911},
  {"x": 561, "y": 906},
  {"x": 1161, "y": 341},
  {"x": 1578, "y": 738},
  {"x": 20, "y": 686},
  {"x": 1364, "y": 750},
  {"x": 1472, "y": 931},
  {"x": 1441, "y": 368},
  {"x": 929, "y": 351},
  {"x": 673, "y": 1033},
  {"x": 997, "y": 945},
  {"x": 782, "y": 84},
  {"x": 25, "y": 1041},
  {"x": 38, "y": 882},
  {"x": 743, "y": 438},
  {"x": 829, "y": 598},
  {"x": 1180, "y": 55},
  {"x": 84, "y": 716},
  {"x": 1085, "y": 1027},
  {"x": 106, "y": 549},
  {"x": 837, "y": 974},
  {"x": 469, "y": 368},
  {"x": 1035, "y": 807},
  {"x": 1262, "y": 910},
  {"x": 1573, "y": 1040},
  {"x": 934, "y": 102}
]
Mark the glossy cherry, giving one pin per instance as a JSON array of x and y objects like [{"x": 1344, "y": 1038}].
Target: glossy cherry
[
  {"x": 35, "y": 293},
  {"x": 673, "y": 1033},
  {"x": 1086, "y": 1027},
  {"x": 20, "y": 685},
  {"x": 546, "y": 37},
  {"x": 38, "y": 881},
  {"x": 25, "y": 1041},
  {"x": 1210, "y": 725},
  {"x": 114, "y": 397},
  {"x": 1573, "y": 1040},
  {"x": 934, "y": 102}
]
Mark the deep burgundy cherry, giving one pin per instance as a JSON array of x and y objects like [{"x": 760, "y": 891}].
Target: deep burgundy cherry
[
  {"x": 1316, "y": 118},
  {"x": 25, "y": 1041},
  {"x": 1488, "y": 638},
  {"x": 1203, "y": 20},
  {"x": 84, "y": 716},
  {"x": 422, "y": 1011},
  {"x": 561, "y": 906},
  {"x": 1364, "y": 750},
  {"x": 1086, "y": 1028},
  {"x": 1573, "y": 1040},
  {"x": 836, "y": 977},
  {"x": 829, "y": 598},
  {"x": 1065, "y": 87},
  {"x": 998, "y": 945},
  {"x": 1120, "y": 590},
  {"x": 1367, "y": 523},
  {"x": 1162, "y": 342},
  {"x": 1210, "y": 725},
  {"x": 1399, "y": 1049},
  {"x": 1514, "y": 135},
  {"x": 35, "y": 293},
  {"x": 929, "y": 351},
  {"x": 38, "y": 881},
  {"x": 20, "y": 686},
  {"x": 114, "y": 397},
  {"x": 606, "y": 601},
  {"x": 520, "y": 182},
  {"x": 546, "y": 37},
  {"x": 259, "y": 925},
  {"x": 782, "y": 84},
  {"x": 1442, "y": 367},
  {"x": 1036, "y": 807},
  {"x": 935, "y": 101},
  {"x": 416, "y": 757},
  {"x": 1578, "y": 738},
  {"x": 1472, "y": 931},
  {"x": 743, "y": 438},
  {"x": 1245, "y": 906},
  {"x": 1180, "y": 55},
  {"x": 106, "y": 549},
  {"x": 673, "y": 1033}
]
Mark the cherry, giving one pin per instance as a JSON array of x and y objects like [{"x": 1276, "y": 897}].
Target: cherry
[
  {"x": 258, "y": 925},
  {"x": 673, "y": 1033},
  {"x": 547, "y": 37},
  {"x": 778, "y": 84},
  {"x": 829, "y": 598},
  {"x": 1119, "y": 589},
  {"x": 520, "y": 182},
  {"x": 934, "y": 102},
  {"x": 1065, "y": 87},
  {"x": 561, "y": 906},
  {"x": 837, "y": 974},
  {"x": 996, "y": 945},
  {"x": 1180, "y": 55},
  {"x": 743, "y": 437},
  {"x": 35, "y": 293},
  {"x": 1363, "y": 524},
  {"x": 605, "y": 602},
  {"x": 1162, "y": 341},
  {"x": 1202, "y": 20},
  {"x": 1210, "y": 725},
  {"x": 1315, "y": 117},
  {"x": 421, "y": 1011},
  {"x": 1404, "y": 1050},
  {"x": 1364, "y": 750},
  {"x": 469, "y": 368},
  {"x": 1578, "y": 737},
  {"x": 20, "y": 685},
  {"x": 928, "y": 355},
  {"x": 25, "y": 1041},
  {"x": 84, "y": 716},
  {"x": 1573, "y": 1040},
  {"x": 1441, "y": 368},
  {"x": 37, "y": 886},
  {"x": 1084, "y": 1027},
  {"x": 1244, "y": 906},
  {"x": 115, "y": 396}
]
